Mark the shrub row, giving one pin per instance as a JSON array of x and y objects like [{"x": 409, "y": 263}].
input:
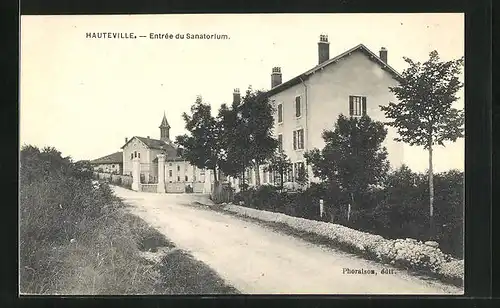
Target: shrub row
[
  {"x": 408, "y": 253},
  {"x": 398, "y": 210}
]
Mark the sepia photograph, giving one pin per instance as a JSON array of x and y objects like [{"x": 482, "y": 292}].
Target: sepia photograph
[{"x": 204, "y": 154}]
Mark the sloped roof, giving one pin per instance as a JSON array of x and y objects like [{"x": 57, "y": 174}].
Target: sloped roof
[
  {"x": 169, "y": 148},
  {"x": 164, "y": 122},
  {"x": 115, "y": 158},
  {"x": 304, "y": 76}
]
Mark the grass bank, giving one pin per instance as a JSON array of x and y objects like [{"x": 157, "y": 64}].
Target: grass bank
[
  {"x": 78, "y": 238},
  {"x": 122, "y": 254}
]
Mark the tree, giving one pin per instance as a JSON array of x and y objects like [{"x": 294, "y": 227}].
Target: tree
[
  {"x": 201, "y": 148},
  {"x": 279, "y": 165},
  {"x": 233, "y": 140},
  {"x": 424, "y": 115},
  {"x": 353, "y": 158},
  {"x": 257, "y": 122}
]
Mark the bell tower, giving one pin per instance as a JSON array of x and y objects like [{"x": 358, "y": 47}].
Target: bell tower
[{"x": 164, "y": 129}]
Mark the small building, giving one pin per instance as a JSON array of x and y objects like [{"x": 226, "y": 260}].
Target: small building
[{"x": 112, "y": 163}]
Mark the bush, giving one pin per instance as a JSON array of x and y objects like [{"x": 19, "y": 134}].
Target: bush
[
  {"x": 402, "y": 210},
  {"x": 58, "y": 203},
  {"x": 398, "y": 210}
]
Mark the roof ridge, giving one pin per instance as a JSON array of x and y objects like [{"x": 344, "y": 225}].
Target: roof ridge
[{"x": 307, "y": 73}]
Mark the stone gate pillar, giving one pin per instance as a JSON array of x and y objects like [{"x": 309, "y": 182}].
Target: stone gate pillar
[
  {"x": 136, "y": 174},
  {"x": 161, "y": 173}
]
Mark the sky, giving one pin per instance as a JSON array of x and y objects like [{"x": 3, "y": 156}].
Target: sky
[{"x": 84, "y": 96}]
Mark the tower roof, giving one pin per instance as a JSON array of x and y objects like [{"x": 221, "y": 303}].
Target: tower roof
[{"x": 164, "y": 122}]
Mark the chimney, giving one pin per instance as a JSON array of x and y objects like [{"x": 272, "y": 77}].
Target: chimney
[
  {"x": 236, "y": 96},
  {"x": 323, "y": 48},
  {"x": 126, "y": 139},
  {"x": 383, "y": 54},
  {"x": 275, "y": 77},
  {"x": 148, "y": 137}
]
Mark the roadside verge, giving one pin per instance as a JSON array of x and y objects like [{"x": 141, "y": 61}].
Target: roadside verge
[{"x": 408, "y": 254}]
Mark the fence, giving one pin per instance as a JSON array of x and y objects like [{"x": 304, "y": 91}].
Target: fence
[
  {"x": 126, "y": 181},
  {"x": 153, "y": 188},
  {"x": 121, "y": 180}
]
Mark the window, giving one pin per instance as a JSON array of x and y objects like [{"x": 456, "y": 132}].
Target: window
[
  {"x": 280, "y": 143},
  {"x": 178, "y": 178},
  {"x": 131, "y": 155},
  {"x": 298, "y": 139},
  {"x": 139, "y": 155},
  {"x": 357, "y": 106},
  {"x": 170, "y": 173},
  {"x": 297, "y": 107},
  {"x": 288, "y": 175},
  {"x": 135, "y": 153},
  {"x": 264, "y": 176},
  {"x": 178, "y": 168},
  {"x": 299, "y": 170},
  {"x": 186, "y": 178},
  {"x": 170, "y": 164},
  {"x": 202, "y": 171},
  {"x": 280, "y": 113}
]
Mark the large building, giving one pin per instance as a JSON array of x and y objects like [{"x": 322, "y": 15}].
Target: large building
[
  {"x": 353, "y": 83},
  {"x": 179, "y": 174}
]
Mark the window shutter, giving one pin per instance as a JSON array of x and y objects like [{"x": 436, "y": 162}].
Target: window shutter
[
  {"x": 351, "y": 105},
  {"x": 295, "y": 140},
  {"x": 364, "y": 105},
  {"x": 301, "y": 138},
  {"x": 297, "y": 106}
]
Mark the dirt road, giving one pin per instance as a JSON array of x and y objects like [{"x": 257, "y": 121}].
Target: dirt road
[{"x": 257, "y": 260}]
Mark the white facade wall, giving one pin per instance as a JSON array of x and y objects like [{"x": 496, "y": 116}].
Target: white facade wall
[
  {"x": 325, "y": 95},
  {"x": 108, "y": 168},
  {"x": 129, "y": 152}
]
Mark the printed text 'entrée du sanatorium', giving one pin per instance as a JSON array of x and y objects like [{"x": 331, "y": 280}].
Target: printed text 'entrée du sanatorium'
[{"x": 156, "y": 36}]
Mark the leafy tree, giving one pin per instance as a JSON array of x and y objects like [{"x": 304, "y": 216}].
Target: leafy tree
[
  {"x": 201, "y": 147},
  {"x": 233, "y": 141},
  {"x": 424, "y": 115},
  {"x": 279, "y": 165},
  {"x": 256, "y": 124},
  {"x": 353, "y": 158}
]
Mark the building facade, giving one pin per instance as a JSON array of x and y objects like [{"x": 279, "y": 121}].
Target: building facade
[
  {"x": 179, "y": 175},
  {"x": 353, "y": 83},
  {"x": 112, "y": 163}
]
